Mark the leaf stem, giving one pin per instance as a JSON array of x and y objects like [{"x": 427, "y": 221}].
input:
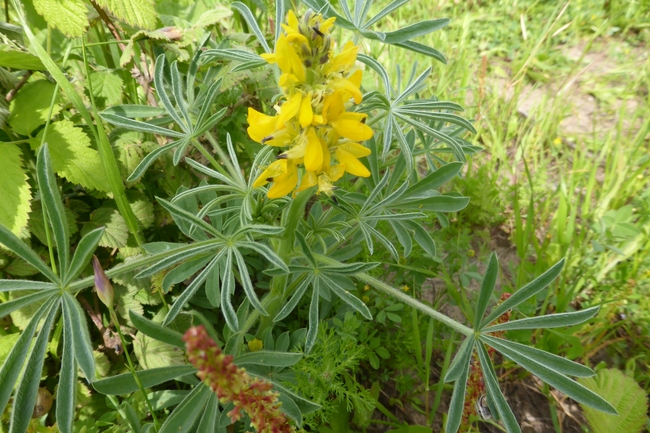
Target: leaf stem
[{"x": 132, "y": 368}]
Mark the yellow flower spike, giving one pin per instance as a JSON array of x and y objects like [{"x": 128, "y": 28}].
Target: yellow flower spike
[
  {"x": 276, "y": 168},
  {"x": 356, "y": 149},
  {"x": 313, "y": 152},
  {"x": 261, "y": 125},
  {"x": 336, "y": 172},
  {"x": 349, "y": 127},
  {"x": 352, "y": 164},
  {"x": 285, "y": 183},
  {"x": 289, "y": 109},
  {"x": 286, "y": 58},
  {"x": 306, "y": 115},
  {"x": 327, "y": 25}
]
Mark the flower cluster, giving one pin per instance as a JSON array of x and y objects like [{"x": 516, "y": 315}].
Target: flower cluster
[
  {"x": 312, "y": 122},
  {"x": 232, "y": 384}
]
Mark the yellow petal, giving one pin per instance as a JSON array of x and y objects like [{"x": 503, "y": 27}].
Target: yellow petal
[
  {"x": 283, "y": 53},
  {"x": 347, "y": 87},
  {"x": 356, "y": 149},
  {"x": 313, "y": 152},
  {"x": 352, "y": 129},
  {"x": 309, "y": 179},
  {"x": 332, "y": 106},
  {"x": 276, "y": 168},
  {"x": 356, "y": 77},
  {"x": 260, "y": 125},
  {"x": 352, "y": 164},
  {"x": 292, "y": 20},
  {"x": 327, "y": 25},
  {"x": 289, "y": 109},
  {"x": 306, "y": 112},
  {"x": 285, "y": 183},
  {"x": 296, "y": 152},
  {"x": 269, "y": 57},
  {"x": 336, "y": 172},
  {"x": 346, "y": 58}
]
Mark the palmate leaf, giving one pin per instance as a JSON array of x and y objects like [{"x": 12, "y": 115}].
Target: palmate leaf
[
  {"x": 125, "y": 383},
  {"x": 458, "y": 371},
  {"x": 189, "y": 411}
]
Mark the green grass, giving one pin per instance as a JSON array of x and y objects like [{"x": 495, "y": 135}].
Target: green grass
[{"x": 587, "y": 193}]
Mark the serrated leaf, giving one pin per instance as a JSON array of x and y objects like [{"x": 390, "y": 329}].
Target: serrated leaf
[
  {"x": 152, "y": 353},
  {"x": 138, "y": 13},
  {"x": 15, "y": 193},
  {"x": 72, "y": 157},
  {"x": 629, "y": 399},
  {"x": 69, "y": 16},
  {"x": 107, "y": 88},
  {"x": 116, "y": 232},
  {"x": 143, "y": 211},
  {"x": 31, "y": 106}
]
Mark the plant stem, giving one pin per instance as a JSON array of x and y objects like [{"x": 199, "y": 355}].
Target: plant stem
[{"x": 132, "y": 368}]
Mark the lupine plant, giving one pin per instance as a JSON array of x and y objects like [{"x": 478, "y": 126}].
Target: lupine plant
[{"x": 339, "y": 169}]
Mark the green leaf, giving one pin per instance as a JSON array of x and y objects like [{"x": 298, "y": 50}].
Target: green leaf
[
  {"x": 548, "y": 321},
  {"x": 436, "y": 203},
  {"x": 136, "y": 125},
  {"x": 494, "y": 394},
  {"x": 247, "y": 284},
  {"x": 187, "y": 414},
  {"x": 25, "y": 396},
  {"x": 295, "y": 298},
  {"x": 629, "y": 399},
  {"x": 107, "y": 88},
  {"x": 85, "y": 249},
  {"x": 157, "y": 331},
  {"x": 268, "y": 359},
  {"x": 346, "y": 296},
  {"x": 83, "y": 347},
  {"x": 15, "y": 194},
  {"x": 125, "y": 383},
  {"x": 549, "y": 374},
  {"x": 11, "y": 241},
  {"x": 12, "y": 285},
  {"x": 13, "y": 363},
  {"x": 415, "y": 30},
  {"x": 69, "y": 16},
  {"x": 422, "y": 237},
  {"x": 458, "y": 371},
  {"x": 137, "y": 13},
  {"x": 13, "y": 305},
  {"x": 210, "y": 419},
  {"x": 252, "y": 23},
  {"x": 487, "y": 287},
  {"x": 312, "y": 330},
  {"x": 461, "y": 360},
  {"x": 105, "y": 150},
  {"x": 10, "y": 58},
  {"x": 557, "y": 363},
  {"x": 153, "y": 353},
  {"x": 31, "y": 107},
  {"x": 422, "y": 49},
  {"x": 433, "y": 181},
  {"x": 115, "y": 233},
  {"x": 531, "y": 289},
  {"x": 72, "y": 157},
  {"x": 51, "y": 196},
  {"x": 67, "y": 387}
]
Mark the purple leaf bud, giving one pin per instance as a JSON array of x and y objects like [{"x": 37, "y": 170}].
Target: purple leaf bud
[{"x": 102, "y": 284}]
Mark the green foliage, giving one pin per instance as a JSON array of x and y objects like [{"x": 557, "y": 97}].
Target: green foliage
[
  {"x": 15, "y": 195},
  {"x": 164, "y": 195},
  {"x": 629, "y": 399}
]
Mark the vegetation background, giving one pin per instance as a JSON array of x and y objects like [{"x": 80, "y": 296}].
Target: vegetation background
[{"x": 560, "y": 97}]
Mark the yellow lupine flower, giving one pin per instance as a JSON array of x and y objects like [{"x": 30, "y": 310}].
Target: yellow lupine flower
[{"x": 313, "y": 124}]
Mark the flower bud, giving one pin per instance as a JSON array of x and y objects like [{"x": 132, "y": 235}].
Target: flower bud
[{"x": 102, "y": 284}]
